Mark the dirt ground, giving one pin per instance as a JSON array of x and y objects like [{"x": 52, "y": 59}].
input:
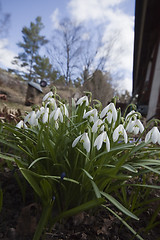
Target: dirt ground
[{"x": 18, "y": 219}]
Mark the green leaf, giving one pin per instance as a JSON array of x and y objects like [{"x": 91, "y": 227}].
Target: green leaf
[
  {"x": 130, "y": 168},
  {"x": 8, "y": 158},
  {"x": 30, "y": 177},
  {"x": 96, "y": 189},
  {"x": 119, "y": 205},
  {"x": 124, "y": 222},
  {"x": 87, "y": 173},
  {"x": 37, "y": 160},
  {"x": 145, "y": 185}
]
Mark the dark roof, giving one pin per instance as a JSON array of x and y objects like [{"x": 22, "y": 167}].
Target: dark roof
[{"x": 36, "y": 86}]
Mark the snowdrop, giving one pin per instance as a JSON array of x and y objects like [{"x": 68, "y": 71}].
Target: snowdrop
[
  {"x": 21, "y": 124},
  {"x": 64, "y": 110},
  {"x": 103, "y": 137},
  {"x": 40, "y": 112},
  {"x": 135, "y": 126},
  {"x": 48, "y": 95},
  {"x": 153, "y": 135},
  {"x": 58, "y": 114},
  {"x": 31, "y": 118},
  {"x": 110, "y": 112},
  {"x": 131, "y": 114},
  {"x": 82, "y": 100},
  {"x": 92, "y": 114},
  {"x": 97, "y": 125},
  {"x": 120, "y": 131},
  {"x": 51, "y": 102},
  {"x": 83, "y": 138},
  {"x": 45, "y": 115}
]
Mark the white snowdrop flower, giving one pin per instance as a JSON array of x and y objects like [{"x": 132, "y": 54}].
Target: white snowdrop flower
[
  {"x": 45, "y": 115},
  {"x": 130, "y": 126},
  {"x": 31, "y": 119},
  {"x": 49, "y": 94},
  {"x": 82, "y": 100},
  {"x": 52, "y": 102},
  {"x": 64, "y": 110},
  {"x": 97, "y": 125},
  {"x": 131, "y": 113},
  {"x": 83, "y": 138},
  {"x": 135, "y": 126},
  {"x": 138, "y": 127},
  {"x": 21, "y": 124},
  {"x": 92, "y": 114},
  {"x": 40, "y": 112},
  {"x": 52, "y": 114},
  {"x": 153, "y": 135},
  {"x": 120, "y": 131},
  {"x": 27, "y": 117},
  {"x": 103, "y": 137},
  {"x": 110, "y": 112},
  {"x": 58, "y": 114}
]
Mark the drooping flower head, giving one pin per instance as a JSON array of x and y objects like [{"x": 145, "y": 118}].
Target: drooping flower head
[
  {"x": 109, "y": 112},
  {"x": 92, "y": 114},
  {"x": 153, "y": 135},
  {"x": 120, "y": 131},
  {"x": 83, "y": 138},
  {"x": 103, "y": 137},
  {"x": 48, "y": 95},
  {"x": 82, "y": 100},
  {"x": 98, "y": 124},
  {"x": 135, "y": 126}
]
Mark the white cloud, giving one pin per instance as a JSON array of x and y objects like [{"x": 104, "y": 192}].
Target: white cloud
[
  {"x": 55, "y": 19},
  {"x": 6, "y": 56},
  {"x": 119, "y": 30}
]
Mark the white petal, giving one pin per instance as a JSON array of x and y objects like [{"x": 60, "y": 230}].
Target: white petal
[
  {"x": 104, "y": 111},
  {"x": 114, "y": 111},
  {"x": 99, "y": 140},
  {"x": 76, "y": 141},
  {"x": 32, "y": 120},
  {"x": 148, "y": 136},
  {"x": 125, "y": 136},
  {"x": 45, "y": 117},
  {"x": 116, "y": 134},
  {"x": 83, "y": 99},
  {"x": 109, "y": 117},
  {"x": 107, "y": 144},
  {"x": 49, "y": 94},
  {"x": 20, "y": 124},
  {"x": 141, "y": 127},
  {"x": 136, "y": 130},
  {"x": 52, "y": 114},
  {"x": 56, "y": 115},
  {"x": 155, "y": 134},
  {"x": 86, "y": 143}
]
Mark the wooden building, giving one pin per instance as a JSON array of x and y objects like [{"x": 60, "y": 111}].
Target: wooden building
[
  {"x": 33, "y": 94},
  {"x": 146, "y": 66}
]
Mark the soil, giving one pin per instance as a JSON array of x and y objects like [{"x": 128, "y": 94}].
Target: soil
[{"x": 19, "y": 218}]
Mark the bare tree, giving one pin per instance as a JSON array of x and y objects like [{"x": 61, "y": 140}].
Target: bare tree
[
  {"x": 99, "y": 84},
  {"x": 65, "y": 48},
  {"x": 97, "y": 52},
  {"x": 4, "y": 22}
]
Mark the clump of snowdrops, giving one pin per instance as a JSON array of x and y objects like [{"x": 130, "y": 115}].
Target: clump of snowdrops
[{"x": 78, "y": 157}]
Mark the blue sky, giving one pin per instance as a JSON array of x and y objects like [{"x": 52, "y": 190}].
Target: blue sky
[{"x": 116, "y": 15}]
